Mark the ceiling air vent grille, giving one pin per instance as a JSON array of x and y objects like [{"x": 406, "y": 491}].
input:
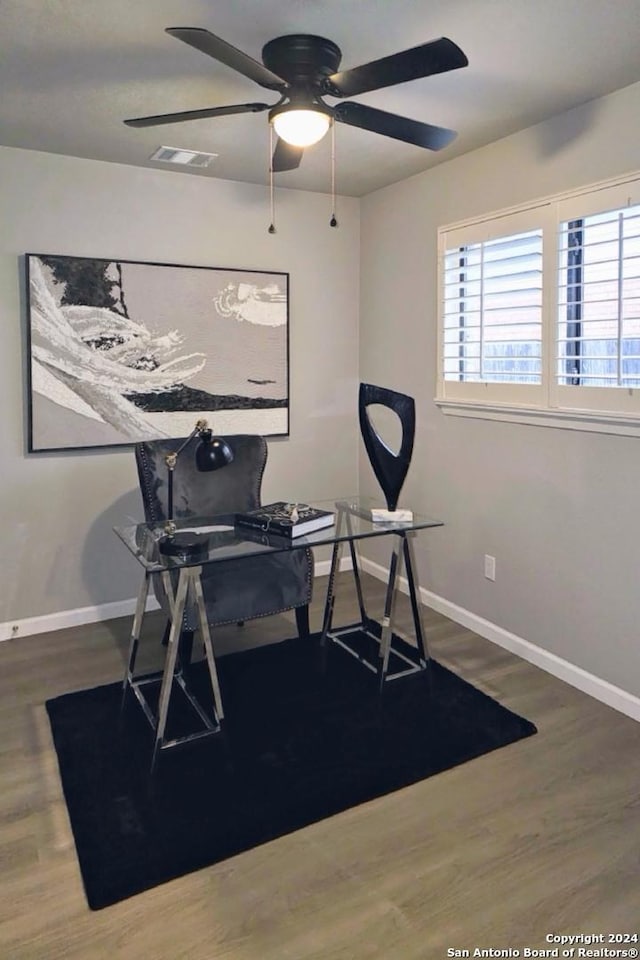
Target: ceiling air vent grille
[{"x": 184, "y": 158}]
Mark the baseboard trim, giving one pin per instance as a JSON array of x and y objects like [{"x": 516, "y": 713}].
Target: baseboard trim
[
  {"x": 323, "y": 567},
  {"x": 15, "y": 629},
  {"x": 575, "y": 676}
]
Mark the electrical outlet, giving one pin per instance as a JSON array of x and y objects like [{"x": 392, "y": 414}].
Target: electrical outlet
[{"x": 489, "y": 567}]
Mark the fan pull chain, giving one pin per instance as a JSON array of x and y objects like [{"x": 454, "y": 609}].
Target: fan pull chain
[
  {"x": 333, "y": 222},
  {"x": 272, "y": 227}
]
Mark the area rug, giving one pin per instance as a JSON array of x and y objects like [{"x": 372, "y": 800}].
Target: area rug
[{"x": 303, "y": 740}]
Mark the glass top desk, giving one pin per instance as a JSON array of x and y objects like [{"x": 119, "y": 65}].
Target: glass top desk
[{"x": 371, "y": 642}]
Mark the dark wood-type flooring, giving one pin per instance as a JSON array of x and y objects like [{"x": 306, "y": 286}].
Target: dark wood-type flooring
[{"x": 540, "y": 837}]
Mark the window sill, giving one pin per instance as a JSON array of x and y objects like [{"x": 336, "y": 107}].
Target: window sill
[{"x": 592, "y": 422}]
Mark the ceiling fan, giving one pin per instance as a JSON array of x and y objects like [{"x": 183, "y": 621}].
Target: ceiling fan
[{"x": 302, "y": 68}]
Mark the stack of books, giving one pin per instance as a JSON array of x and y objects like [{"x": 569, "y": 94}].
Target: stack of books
[{"x": 285, "y": 519}]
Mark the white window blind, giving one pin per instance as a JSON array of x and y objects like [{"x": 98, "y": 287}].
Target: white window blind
[
  {"x": 540, "y": 311},
  {"x": 598, "y": 337},
  {"x": 493, "y": 310}
]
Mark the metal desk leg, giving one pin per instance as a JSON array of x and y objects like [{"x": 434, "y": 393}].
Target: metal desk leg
[
  {"x": 170, "y": 660},
  {"x": 355, "y": 564},
  {"x": 189, "y": 590},
  {"x": 355, "y": 638},
  {"x": 414, "y": 594},
  {"x": 329, "y": 603},
  {"x": 136, "y": 629},
  {"x": 206, "y": 639},
  {"x": 395, "y": 570},
  {"x": 167, "y": 583}
]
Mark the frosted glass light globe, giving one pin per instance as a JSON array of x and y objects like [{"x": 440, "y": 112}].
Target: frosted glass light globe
[{"x": 301, "y": 128}]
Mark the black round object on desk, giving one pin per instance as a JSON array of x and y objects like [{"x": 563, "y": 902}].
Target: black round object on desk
[{"x": 184, "y": 545}]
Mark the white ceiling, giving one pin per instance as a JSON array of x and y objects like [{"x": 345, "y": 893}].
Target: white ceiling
[{"x": 72, "y": 70}]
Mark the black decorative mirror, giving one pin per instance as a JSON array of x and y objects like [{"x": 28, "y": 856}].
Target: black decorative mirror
[{"x": 389, "y": 467}]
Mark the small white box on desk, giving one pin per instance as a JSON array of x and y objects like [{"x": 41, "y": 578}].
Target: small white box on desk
[{"x": 391, "y": 516}]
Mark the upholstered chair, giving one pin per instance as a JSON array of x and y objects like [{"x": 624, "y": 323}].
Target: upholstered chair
[{"x": 234, "y": 590}]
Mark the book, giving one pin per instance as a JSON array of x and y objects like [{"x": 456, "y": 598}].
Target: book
[{"x": 285, "y": 519}]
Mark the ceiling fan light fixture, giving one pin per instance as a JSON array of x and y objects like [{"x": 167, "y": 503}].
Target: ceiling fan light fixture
[
  {"x": 301, "y": 128},
  {"x": 303, "y": 68}
]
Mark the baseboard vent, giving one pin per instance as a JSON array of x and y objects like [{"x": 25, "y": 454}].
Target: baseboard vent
[{"x": 184, "y": 158}]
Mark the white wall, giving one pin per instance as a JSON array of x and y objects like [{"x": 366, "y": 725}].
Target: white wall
[
  {"x": 58, "y": 549},
  {"x": 558, "y": 509}
]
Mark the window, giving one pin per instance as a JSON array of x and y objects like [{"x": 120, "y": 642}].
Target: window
[
  {"x": 599, "y": 300},
  {"x": 540, "y": 310},
  {"x": 493, "y": 310}
]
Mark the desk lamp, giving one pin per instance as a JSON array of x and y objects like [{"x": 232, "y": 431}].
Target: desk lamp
[{"x": 212, "y": 453}]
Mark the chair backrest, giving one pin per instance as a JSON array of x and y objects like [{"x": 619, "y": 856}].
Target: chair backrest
[{"x": 232, "y": 489}]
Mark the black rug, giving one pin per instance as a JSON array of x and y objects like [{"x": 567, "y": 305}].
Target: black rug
[{"x": 300, "y": 744}]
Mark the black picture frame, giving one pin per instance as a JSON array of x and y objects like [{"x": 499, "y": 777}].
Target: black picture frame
[{"x": 121, "y": 351}]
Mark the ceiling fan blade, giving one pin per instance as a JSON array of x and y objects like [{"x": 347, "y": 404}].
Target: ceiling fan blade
[
  {"x": 286, "y": 156},
  {"x": 220, "y": 50},
  {"x": 196, "y": 114},
  {"x": 437, "y": 56},
  {"x": 391, "y": 125}
]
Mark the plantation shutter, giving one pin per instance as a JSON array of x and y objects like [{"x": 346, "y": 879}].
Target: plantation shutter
[
  {"x": 493, "y": 310},
  {"x": 597, "y": 357},
  {"x": 599, "y": 300}
]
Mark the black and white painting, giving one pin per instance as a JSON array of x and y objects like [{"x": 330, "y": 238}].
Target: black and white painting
[{"x": 123, "y": 351}]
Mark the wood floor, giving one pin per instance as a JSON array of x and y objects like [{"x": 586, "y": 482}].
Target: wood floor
[{"x": 540, "y": 837}]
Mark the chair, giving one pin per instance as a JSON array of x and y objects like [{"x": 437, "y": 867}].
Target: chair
[{"x": 234, "y": 590}]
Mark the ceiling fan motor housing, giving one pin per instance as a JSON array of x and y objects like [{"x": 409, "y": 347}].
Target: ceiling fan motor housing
[{"x": 302, "y": 57}]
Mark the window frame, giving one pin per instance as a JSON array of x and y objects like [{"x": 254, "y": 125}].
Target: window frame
[{"x": 568, "y": 406}]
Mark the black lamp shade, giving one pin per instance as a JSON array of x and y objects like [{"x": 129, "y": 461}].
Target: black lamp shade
[{"x": 212, "y": 453}]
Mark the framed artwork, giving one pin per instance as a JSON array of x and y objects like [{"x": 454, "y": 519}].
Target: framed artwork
[{"x": 122, "y": 351}]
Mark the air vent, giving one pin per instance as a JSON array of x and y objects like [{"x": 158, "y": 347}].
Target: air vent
[{"x": 184, "y": 158}]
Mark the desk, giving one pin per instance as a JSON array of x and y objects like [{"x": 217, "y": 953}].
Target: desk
[{"x": 181, "y": 580}]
